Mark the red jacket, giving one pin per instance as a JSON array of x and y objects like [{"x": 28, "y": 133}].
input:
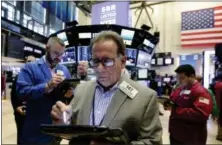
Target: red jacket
[
  {"x": 188, "y": 120},
  {"x": 218, "y": 94}
]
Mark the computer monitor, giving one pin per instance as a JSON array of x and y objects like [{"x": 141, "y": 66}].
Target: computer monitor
[
  {"x": 160, "y": 61},
  {"x": 148, "y": 43},
  {"x": 168, "y": 61},
  {"x": 85, "y": 35},
  {"x": 167, "y": 80},
  {"x": 142, "y": 74},
  {"x": 127, "y": 36},
  {"x": 83, "y": 53},
  {"x": 63, "y": 37},
  {"x": 153, "y": 61},
  {"x": 143, "y": 59},
  {"x": 131, "y": 56},
  {"x": 69, "y": 55},
  {"x": 145, "y": 83}
]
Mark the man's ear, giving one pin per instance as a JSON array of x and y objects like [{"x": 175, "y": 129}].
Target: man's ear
[
  {"x": 123, "y": 61},
  {"x": 47, "y": 47}
]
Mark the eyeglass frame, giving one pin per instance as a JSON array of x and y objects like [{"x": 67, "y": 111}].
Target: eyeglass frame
[{"x": 119, "y": 56}]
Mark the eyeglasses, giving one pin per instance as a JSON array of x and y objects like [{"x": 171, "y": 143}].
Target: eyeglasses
[
  {"x": 106, "y": 62},
  {"x": 58, "y": 54}
]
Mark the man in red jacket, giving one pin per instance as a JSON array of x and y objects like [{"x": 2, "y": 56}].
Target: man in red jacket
[
  {"x": 191, "y": 106},
  {"x": 218, "y": 94}
]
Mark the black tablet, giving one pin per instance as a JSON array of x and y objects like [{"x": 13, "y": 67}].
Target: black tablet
[{"x": 84, "y": 131}]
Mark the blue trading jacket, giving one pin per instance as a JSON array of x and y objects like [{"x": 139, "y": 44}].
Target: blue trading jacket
[{"x": 31, "y": 88}]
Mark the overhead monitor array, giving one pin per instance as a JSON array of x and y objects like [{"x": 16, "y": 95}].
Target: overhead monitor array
[{"x": 139, "y": 43}]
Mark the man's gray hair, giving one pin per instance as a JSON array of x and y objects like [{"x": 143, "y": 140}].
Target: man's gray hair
[
  {"x": 110, "y": 35},
  {"x": 53, "y": 40}
]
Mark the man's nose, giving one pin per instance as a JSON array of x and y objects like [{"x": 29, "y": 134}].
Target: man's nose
[{"x": 100, "y": 66}]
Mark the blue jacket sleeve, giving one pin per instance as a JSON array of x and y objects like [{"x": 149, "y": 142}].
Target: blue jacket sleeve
[
  {"x": 26, "y": 87},
  {"x": 68, "y": 75}
]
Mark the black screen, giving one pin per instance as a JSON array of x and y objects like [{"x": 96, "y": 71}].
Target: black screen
[{"x": 15, "y": 48}]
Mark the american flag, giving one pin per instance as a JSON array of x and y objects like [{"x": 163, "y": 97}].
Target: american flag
[{"x": 201, "y": 28}]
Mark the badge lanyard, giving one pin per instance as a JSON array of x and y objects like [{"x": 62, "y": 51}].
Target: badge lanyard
[{"x": 93, "y": 113}]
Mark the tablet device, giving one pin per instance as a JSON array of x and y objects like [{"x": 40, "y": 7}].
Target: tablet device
[
  {"x": 85, "y": 131},
  {"x": 165, "y": 100},
  {"x": 63, "y": 87}
]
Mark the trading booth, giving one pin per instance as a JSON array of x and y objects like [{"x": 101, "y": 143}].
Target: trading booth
[{"x": 140, "y": 46}]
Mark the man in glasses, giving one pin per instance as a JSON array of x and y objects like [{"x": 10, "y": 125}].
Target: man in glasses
[
  {"x": 113, "y": 100},
  {"x": 35, "y": 82}
]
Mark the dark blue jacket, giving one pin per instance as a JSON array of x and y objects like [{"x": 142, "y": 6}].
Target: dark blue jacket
[{"x": 31, "y": 88}]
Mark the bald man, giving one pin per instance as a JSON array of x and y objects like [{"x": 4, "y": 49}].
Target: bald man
[{"x": 35, "y": 82}]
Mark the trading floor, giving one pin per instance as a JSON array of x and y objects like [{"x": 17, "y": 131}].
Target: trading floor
[{"x": 9, "y": 128}]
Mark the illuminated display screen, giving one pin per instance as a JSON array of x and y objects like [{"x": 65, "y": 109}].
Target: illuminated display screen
[
  {"x": 85, "y": 35},
  {"x": 168, "y": 61},
  {"x": 69, "y": 55},
  {"x": 131, "y": 56},
  {"x": 63, "y": 37},
  {"x": 142, "y": 73},
  {"x": 144, "y": 59},
  {"x": 83, "y": 53},
  {"x": 127, "y": 36}
]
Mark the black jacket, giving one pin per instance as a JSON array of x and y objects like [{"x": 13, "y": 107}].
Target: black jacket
[{"x": 16, "y": 102}]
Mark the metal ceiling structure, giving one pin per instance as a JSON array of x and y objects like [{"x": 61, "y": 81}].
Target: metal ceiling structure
[{"x": 86, "y": 6}]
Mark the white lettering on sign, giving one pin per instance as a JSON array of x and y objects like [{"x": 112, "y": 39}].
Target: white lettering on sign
[
  {"x": 108, "y": 15},
  {"x": 38, "y": 51},
  {"x": 107, "y": 8},
  {"x": 113, "y": 7},
  {"x": 28, "y": 48},
  {"x": 129, "y": 90},
  {"x": 103, "y": 9}
]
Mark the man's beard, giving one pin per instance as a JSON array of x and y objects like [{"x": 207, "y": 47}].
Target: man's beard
[{"x": 52, "y": 62}]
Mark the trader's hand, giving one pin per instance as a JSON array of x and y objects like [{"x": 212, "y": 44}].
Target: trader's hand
[
  {"x": 56, "y": 80},
  {"x": 214, "y": 118},
  {"x": 20, "y": 110},
  {"x": 169, "y": 107},
  {"x": 57, "y": 112},
  {"x": 69, "y": 93}
]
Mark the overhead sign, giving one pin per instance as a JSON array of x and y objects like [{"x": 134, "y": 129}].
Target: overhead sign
[
  {"x": 10, "y": 26},
  {"x": 116, "y": 12},
  {"x": 27, "y": 40}
]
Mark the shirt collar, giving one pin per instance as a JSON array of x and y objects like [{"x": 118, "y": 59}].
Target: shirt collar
[{"x": 113, "y": 88}]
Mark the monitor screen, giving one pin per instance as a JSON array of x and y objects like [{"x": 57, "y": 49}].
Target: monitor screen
[
  {"x": 148, "y": 43},
  {"x": 94, "y": 34},
  {"x": 63, "y": 37},
  {"x": 85, "y": 35},
  {"x": 142, "y": 73},
  {"x": 127, "y": 36},
  {"x": 143, "y": 82},
  {"x": 83, "y": 53},
  {"x": 131, "y": 56},
  {"x": 69, "y": 55},
  {"x": 168, "y": 61},
  {"x": 92, "y": 77},
  {"x": 166, "y": 80},
  {"x": 153, "y": 61},
  {"x": 159, "y": 61},
  {"x": 143, "y": 60}
]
